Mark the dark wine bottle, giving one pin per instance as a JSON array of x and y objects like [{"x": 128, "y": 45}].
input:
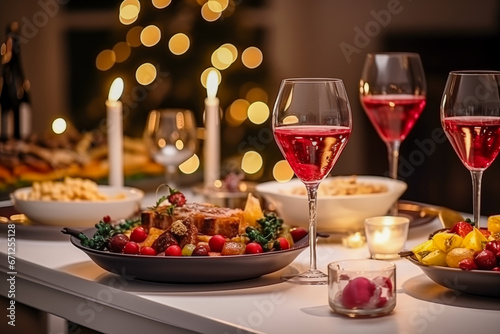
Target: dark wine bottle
[{"x": 15, "y": 103}]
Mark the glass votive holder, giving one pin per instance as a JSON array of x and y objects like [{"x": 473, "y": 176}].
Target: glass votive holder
[
  {"x": 362, "y": 288},
  {"x": 386, "y": 236}
]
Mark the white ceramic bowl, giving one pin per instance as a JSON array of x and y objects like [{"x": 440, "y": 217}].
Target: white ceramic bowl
[
  {"x": 79, "y": 213},
  {"x": 339, "y": 213}
]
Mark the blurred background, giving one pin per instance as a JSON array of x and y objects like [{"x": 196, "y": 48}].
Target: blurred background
[{"x": 72, "y": 50}]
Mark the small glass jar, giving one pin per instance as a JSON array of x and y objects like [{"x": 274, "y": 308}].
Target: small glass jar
[{"x": 362, "y": 288}]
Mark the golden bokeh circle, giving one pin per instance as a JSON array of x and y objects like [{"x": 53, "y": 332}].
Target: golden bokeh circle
[
  {"x": 160, "y": 4},
  {"x": 122, "y": 51},
  {"x": 150, "y": 35},
  {"x": 252, "y": 57},
  {"x": 105, "y": 60},
  {"x": 145, "y": 74},
  {"x": 258, "y": 112},
  {"x": 251, "y": 162},
  {"x": 179, "y": 44},
  {"x": 282, "y": 172}
]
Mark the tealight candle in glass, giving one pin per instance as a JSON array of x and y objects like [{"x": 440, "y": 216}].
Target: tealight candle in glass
[{"x": 386, "y": 236}]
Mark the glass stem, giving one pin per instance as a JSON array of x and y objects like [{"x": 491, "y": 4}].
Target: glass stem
[
  {"x": 393, "y": 157},
  {"x": 476, "y": 193},
  {"x": 171, "y": 176},
  {"x": 312, "y": 191}
]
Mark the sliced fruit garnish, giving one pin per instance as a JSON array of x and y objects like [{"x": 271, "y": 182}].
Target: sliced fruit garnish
[
  {"x": 446, "y": 241},
  {"x": 475, "y": 240}
]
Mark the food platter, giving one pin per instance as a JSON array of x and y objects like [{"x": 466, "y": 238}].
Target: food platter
[
  {"x": 476, "y": 282},
  {"x": 79, "y": 213},
  {"x": 192, "y": 269}
]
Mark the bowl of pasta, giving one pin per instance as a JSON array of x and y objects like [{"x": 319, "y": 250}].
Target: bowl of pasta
[
  {"x": 75, "y": 202},
  {"x": 344, "y": 202}
]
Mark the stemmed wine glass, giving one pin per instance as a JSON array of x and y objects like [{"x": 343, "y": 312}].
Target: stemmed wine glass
[
  {"x": 170, "y": 135},
  {"x": 393, "y": 94},
  {"x": 311, "y": 123},
  {"x": 470, "y": 116}
]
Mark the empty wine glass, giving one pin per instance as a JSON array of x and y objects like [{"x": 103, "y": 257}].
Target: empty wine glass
[
  {"x": 311, "y": 123},
  {"x": 470, "y": 116},
  {"x": 170, "y": 135},
  {"x": 393, "y": 94}
]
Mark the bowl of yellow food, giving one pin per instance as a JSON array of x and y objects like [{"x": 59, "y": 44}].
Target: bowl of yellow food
[
  {"x": 344, "y": 202},
  {"x": 75, "y": 202}
]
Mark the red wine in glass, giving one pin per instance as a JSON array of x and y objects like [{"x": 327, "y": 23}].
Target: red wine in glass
[
  {"x": 476, "y": 140},
  {"x": 312, "y": 150},
  {"x": 392, "y": 91},
  {"x": 393, "y": 116},
  {"x": 470, "y": 116},
  {"x": 312, "y": 123}
]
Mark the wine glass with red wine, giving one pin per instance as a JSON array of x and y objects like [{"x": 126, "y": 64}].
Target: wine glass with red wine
[
  {"x": 311, "y": 123},
  {"x": 470, "y": 116},
  {"x": 393, "y": 94}
]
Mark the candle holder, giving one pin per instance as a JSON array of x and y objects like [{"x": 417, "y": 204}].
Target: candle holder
[
  {"x": 386, "y": 236},
  {"x": 362, "y": 288}
]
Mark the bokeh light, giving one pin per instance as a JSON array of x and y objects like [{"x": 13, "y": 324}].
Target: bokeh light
[
  {"x": 122, "y": 51},
  {"x": 150, "y": 35},
  {"x": 232, "y": 49},
  {"x": 256, "y": 94},
  {"x": 258, "y": 112},
  {"x": 129, "y": 11},
  {"x": 222, "y": 58},
  {"x": 251, "y": 162},
  {"x": 133, "y": 37},
  {"x": 237, "y": 112},
  {"x": 160, "y": 4},
  {"x": 282, "y": 172},
  {"x": 105, "y": 60},
  {"x": 208, "y": 14},
  {"x": 191, "y": 165},
  {"x": 179, "y": 44},
  {"x": 252, "y": 57},
  {"x": 59, "y": 126},
  {"x": 145, "y": 74}
]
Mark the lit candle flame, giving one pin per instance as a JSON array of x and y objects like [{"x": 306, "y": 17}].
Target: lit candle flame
[
  {"x": 212, "y": 83},
  {"x": 116, "y": 90}
]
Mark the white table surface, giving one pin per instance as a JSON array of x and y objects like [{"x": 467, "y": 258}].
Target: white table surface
[{"x": 56, "y": 277}]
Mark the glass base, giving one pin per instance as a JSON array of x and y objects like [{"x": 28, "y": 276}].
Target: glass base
[{"x": 310, "y": 277}]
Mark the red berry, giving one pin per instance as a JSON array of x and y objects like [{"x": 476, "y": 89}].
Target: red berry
[
  {"x": 486, "y": 260},
  {"x": 358, "y": 292},
  {"x": 298, "y": 233},
  {"x": 283, "y": 242},
  {"x": 462, "y": 228},
  {"x": 216, "y": 243},
  {"x": 485, "y": 232},
  {"x": 494, "y": 246},
  {"x": 496, "y": 269},
  {"x": 146, "y": 250},
  {"x": 467, "y": 264},
  {"x": 173, "y": 250},
  {"x": 106, "y": 219},
  {"x": 131, "y": 248},
  {"x": 139, "y": 234},
  {"x": 201, "y": 250},
  {"x": 117, "y": 242},
  {"x": 253, "y": 248},
  {"x": 177, "y": 199}
]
